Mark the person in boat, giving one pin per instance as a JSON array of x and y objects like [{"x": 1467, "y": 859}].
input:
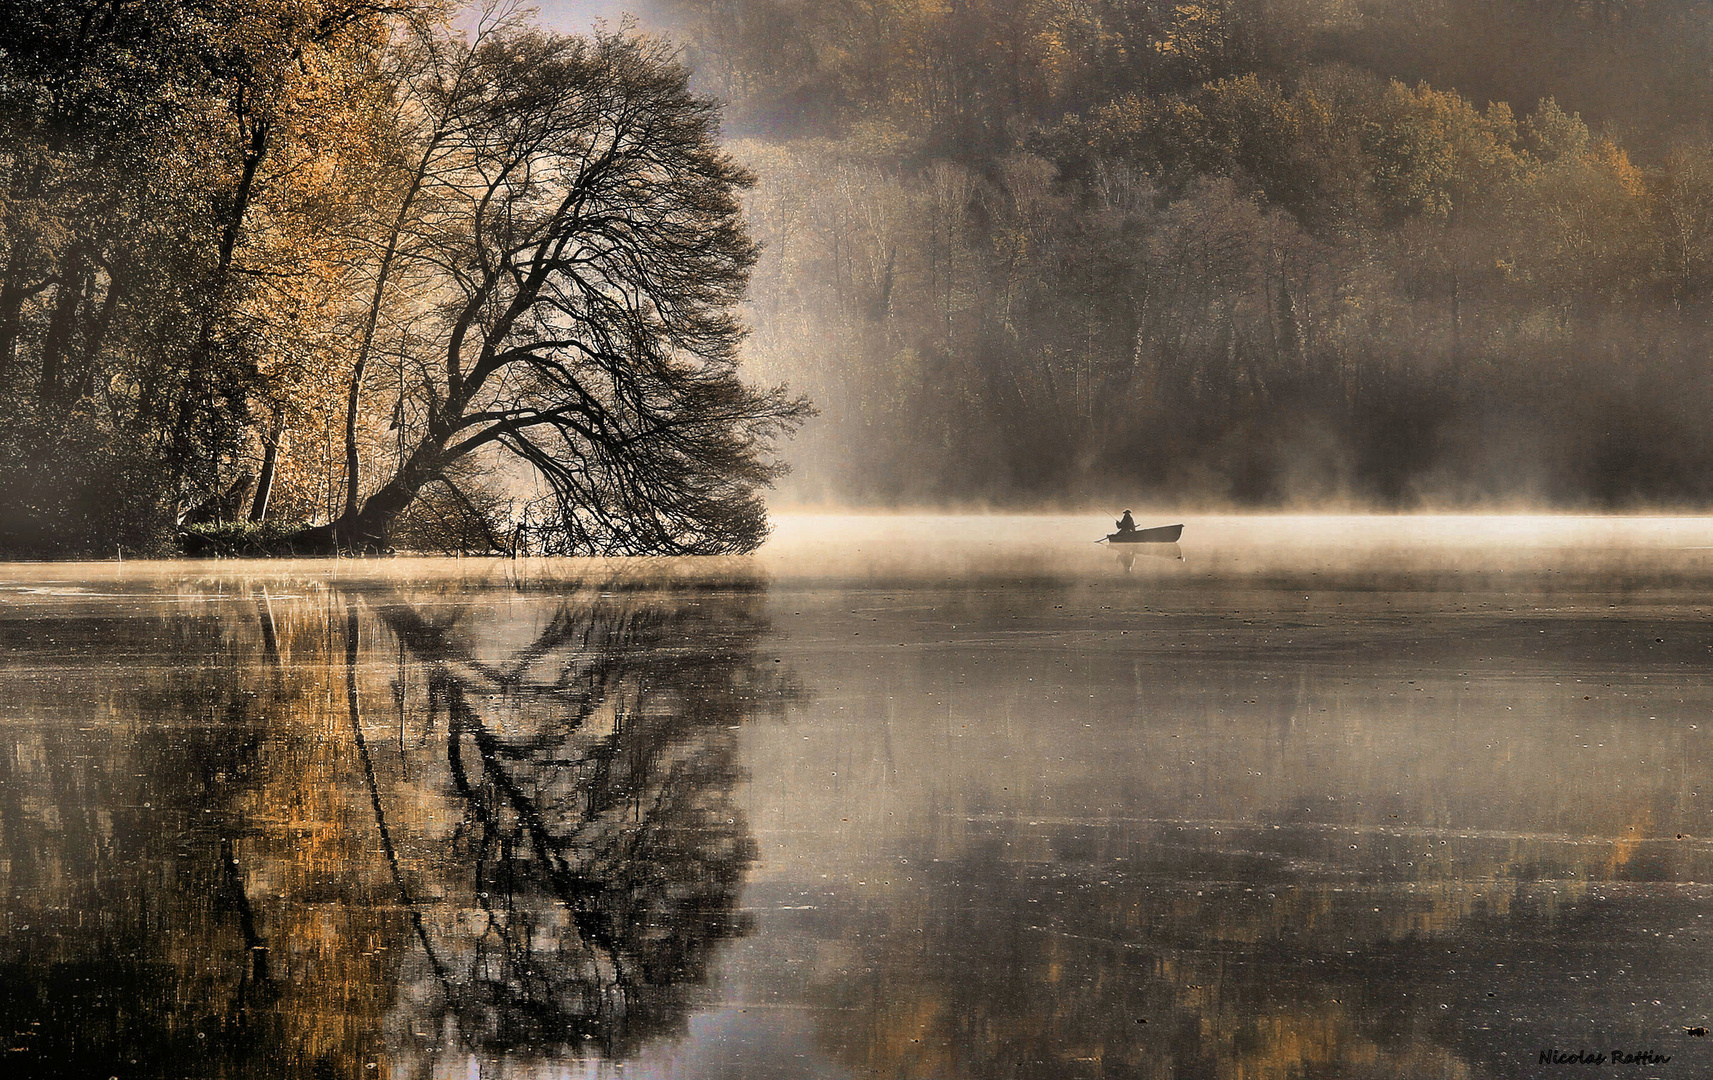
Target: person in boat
[{"x": 1126, "y": 523}]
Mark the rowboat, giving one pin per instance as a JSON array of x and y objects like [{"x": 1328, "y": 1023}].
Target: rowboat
[{"x": 1164, "y": 534}]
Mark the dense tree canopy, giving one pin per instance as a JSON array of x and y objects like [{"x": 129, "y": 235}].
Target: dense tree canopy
[
  {"x": 297, "y": 263},
  {"x": 1247, "y": 251},
  {"x": 328, "y": 269}
]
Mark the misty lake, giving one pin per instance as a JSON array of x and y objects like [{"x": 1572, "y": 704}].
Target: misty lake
[{"x": 895, "y": 797}]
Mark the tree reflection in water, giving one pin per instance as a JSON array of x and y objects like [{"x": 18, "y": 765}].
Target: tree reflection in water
[
  {"x": 347, "y": 834},
  {"x": 599, "y": 841}
]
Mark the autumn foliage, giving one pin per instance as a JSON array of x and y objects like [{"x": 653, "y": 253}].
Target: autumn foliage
[
  {"x": 1242, "y": 252},
  {"x": 323, "y": 269}
]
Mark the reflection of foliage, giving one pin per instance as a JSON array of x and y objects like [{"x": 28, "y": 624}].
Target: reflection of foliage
[
  {"x": 1250, "y": 952},
  {"x": 237, "y": 874},
  {"x": 593, "y": 769},
  {"x": 125, "y": 947}
]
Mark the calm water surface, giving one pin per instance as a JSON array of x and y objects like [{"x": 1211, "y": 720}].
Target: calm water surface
[{"x": 896, "y": 797}]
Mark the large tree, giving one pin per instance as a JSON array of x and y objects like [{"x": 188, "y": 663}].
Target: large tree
[{"x": 557, "y": 290}]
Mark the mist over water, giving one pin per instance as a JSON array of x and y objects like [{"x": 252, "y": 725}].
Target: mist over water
[
  {"x": 896, "y": 796},
  {"x": 914, "y": 796}
]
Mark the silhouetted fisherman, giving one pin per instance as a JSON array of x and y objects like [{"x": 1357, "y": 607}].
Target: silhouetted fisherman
[{"x": 1126, "y": 523}]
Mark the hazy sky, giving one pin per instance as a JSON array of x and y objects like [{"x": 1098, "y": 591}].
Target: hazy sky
[{"x": 579, "y": 15}]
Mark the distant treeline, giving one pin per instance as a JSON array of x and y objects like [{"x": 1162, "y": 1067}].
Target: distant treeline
[
  {"x": 311, "y": 275},
  {"x": 1250, "y": 250}
]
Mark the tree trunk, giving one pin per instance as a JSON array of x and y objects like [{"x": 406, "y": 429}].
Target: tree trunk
[
  {"x": 69, "y": 296},
  {"x": 270, "y": 458},
  {"x": 353, "y": 462},
  {"x": 366, "y": 342},
  {"x": 12, "y": 295},
  {"x": 95, "y": 336},
  {"x": 368, "y": 529},
  {"x": 16, "y": 288},
  {"x": 372, "y": 525},
  {"x": 197, "y": 363}
]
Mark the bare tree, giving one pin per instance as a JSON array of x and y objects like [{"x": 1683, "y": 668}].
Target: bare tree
[{"x": 575, "y": 236}]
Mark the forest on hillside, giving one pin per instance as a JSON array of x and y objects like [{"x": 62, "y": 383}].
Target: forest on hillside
[
  {"x": 323, "y": 275},
  {"x": 319, "y": 275},
  {"x": 1393, "y": 253}
]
